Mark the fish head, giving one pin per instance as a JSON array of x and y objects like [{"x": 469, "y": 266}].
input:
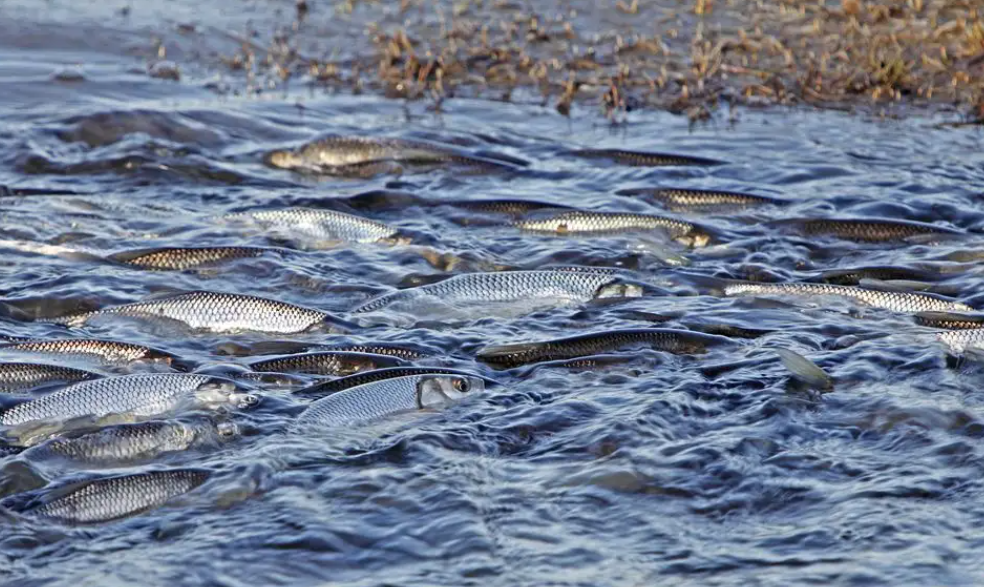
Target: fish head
[
  {"x": 216, "y": 387},
  {"x": 618, "y": 289},
  {"x": 227, "y": 430},
  {"x": 244, "y": 400},
  {"x": 437, "y": 391}
]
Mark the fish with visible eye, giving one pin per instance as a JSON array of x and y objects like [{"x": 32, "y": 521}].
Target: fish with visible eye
[
  {"x": 590, "y": 222},
  {"x": 644, "y": 158},
  {"x": 132, "y": 443},
  {"x": 210, "y": 311},
  {"x": 691, "y": 200},
  {"x": 344, "y": 154},
  {"x": 137, "y": 396},
  {"x": 312, "y": 227},
  {"x": 106, "y": 499},
  {"x": 18, "y": 378},
  {"x": 184, "y": 258},
  {"x": 326, "y": 388},
  {"x": 373, "y": 401},
  {"x": 506, "y": 293}
]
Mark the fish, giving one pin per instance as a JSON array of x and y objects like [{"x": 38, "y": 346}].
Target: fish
[
  {"x": 805, "y": 370},
  {"x": 583, "y": 345},
  {"x": 322, "y": 227},
  {"x": 212, "y": 311},
  {"x": 139, "y": 395},
  {"x": 643, "y": 158},
  {"x": 377, "y": 348},
  {"x": 111, "y": 498},
  {"x": 327, "y": 363},
  {"x": 950, "y": 320},
  {"x": 686, "y": 199},
  {"x": 390, "y": 199},
  {"x": 872, "y": 230},
  {"x": 960, "y": 341},
  {"x": 584, "y": 222},
  {"x": 104, "y": 352},
  {"x": 325, "y": 388},
  {"x": 23, "y": 377},
  {"x": 184, "y": 258},
  {"x": 129, "y": 443},
  {"x": 339, "y": 152},
  {"x": 519, "y": 291},
  {"x": 373, "y": 401},
  {"x": 854, "y": 275},
  {"x": 907, "y": 302}
]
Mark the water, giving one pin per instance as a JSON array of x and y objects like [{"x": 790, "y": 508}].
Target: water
[{"x": 651, "y": 472}]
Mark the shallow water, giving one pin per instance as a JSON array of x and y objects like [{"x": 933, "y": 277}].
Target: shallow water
[{"x": 648, "y": 472}]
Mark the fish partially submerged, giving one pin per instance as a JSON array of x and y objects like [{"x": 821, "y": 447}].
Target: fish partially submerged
[
  {"x": 950, "y": 320},
  {"x": 504, "y": 293},
  {"x": 140, "y": 396},
  {"x": 335, "y": 363},
  {"x": 588, "y": 222},
  {"x": 961, "y": 341},
  {"x": 184, "y": 258},
  {"x": 325, "y": 388},
  {"x": 112, "y": 498},
  {"x": 337, "y": 154},
  {"x": 102, "y": 352},
  {"x": 662, "y": 339},
  {"x": 216, "y": 312},
  {"x": 23, "y": 377},
  {"x": 317, "y": 227},
  {"x": 643, "y": 158},
  {"x": 872, "y": 230},
  {"x": 895, "y": 301},
  {"x": 690, "y": 200},
  {"x": 372, "y": 401},
  {"x": 854, "y": 275},
  {"x": 130, "y": 443}
]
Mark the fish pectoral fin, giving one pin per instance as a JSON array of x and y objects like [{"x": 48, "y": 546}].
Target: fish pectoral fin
[{"x": 805, "y": 370}]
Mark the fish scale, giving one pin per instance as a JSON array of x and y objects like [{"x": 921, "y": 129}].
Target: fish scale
[
  {"x": 691, "y": 199},
  {"x": 406, "y": 353},
  {"x": 127, "y": 442},
  {"x": 22, "y": 377},
  {"x": 215, "y": 312},
  {"x": 474, "y": 288},
  {"x": 889, "y": 300},
  {"x": 346, "y": 151},
  {"x": 106, "y": 351},
  {"x": 961, "y": 340},
  {"x": 674, "y": 341},
  {"x": 327, "y": 363},
  {"x": 588, "y": 222},
  {"x": 357, "y": 379},
  {"x": 141, "y": 394},
  {"x": 643, "y": 158},
  {"x": 181, "y": 258},
  {"x": 111, "y": 498},
  {"x": 870, "y": 230},
  {"x": 320, "y": 225}
]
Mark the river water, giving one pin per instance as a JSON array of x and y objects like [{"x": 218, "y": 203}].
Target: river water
[{"x": 655, "y": 471}]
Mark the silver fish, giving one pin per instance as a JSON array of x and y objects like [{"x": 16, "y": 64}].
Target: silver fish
[
  {"x": 214, "y": 312},
  {"x": 643, "y": 158},
  {"x": 685, "y": 199},
  {"x": 144, "y": 394},
  {"x": 309, "y": 225},
  {"x": 592, "y": 222},
  {"x": 112, "y": 498},
  {"x": 530, "y": 289},
  {"x": 341, "y": 384},
  {"x": 23, "y": 377},
  {"x": 873, "y": 230},
  {"x": 103, "y": 352},
  {"x": 183, "y": 258},
  {"x": 348, "y": 151},
  {"x": 889, "y": 300},
  {"x": 327, "y": 363},
  {"x": 663, "y": 339},
  {"x": 960, "y": 341},
  {"x": 376, "y": 400},
  {"x": 129, "y": 443}
]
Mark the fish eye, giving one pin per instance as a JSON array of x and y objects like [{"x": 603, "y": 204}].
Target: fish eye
[{"x": 462, "y": 385}]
